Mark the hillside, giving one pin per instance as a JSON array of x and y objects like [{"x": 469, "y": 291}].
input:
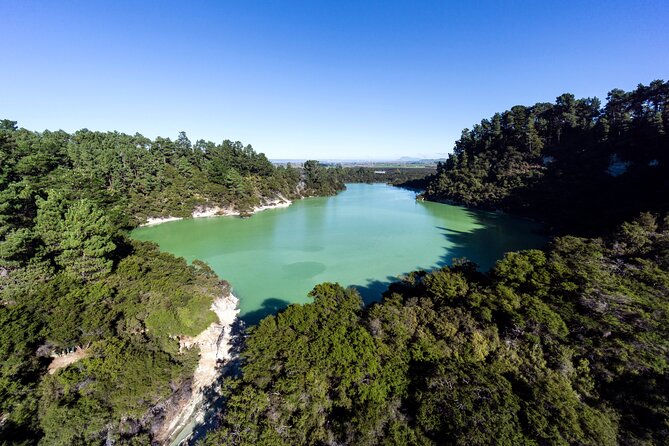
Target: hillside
[
  {"x": 90, "y": 321},
  {"x": 574, "y": 164},
  {"x": 563, "y": 346}
]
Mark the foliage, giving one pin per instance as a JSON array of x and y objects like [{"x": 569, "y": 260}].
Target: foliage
[
  {"x": 410, "y": 177},
  {"x": 321, "y": 180},
  {"x": 580, "y": 167},
  {"x": 69, "y": 277},
  {"x": 131, "y": 178},
  {"x": 564, "y": 346},
  {"x": 134, "y": 360}
]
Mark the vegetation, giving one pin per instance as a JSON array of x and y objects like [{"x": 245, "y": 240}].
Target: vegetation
[
  {"x": 128, "y": 319},
  {"x": 132, "y": 177},
  {"x": 567, "y": 345},
  {"x": 412, "y": 177},
  {"x": 578, "y": 166},
  {"x": 563, "y": 346},
  {"x": 321, "y": 180},
  {"x": 70, "y": 279}
]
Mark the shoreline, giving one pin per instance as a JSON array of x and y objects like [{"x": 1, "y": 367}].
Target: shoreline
[
  {"x": 152, "y": 221},
  {"x": 218, "y": 211},
  {"x": 215, "y": 344}
]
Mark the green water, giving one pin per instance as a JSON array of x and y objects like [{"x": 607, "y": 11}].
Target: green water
[{"x": 364, "y": 237}]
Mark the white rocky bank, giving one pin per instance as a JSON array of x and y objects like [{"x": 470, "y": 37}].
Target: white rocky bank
[
  {"x": 218, "y": 211},
  {"x": 215, "y": 344}
]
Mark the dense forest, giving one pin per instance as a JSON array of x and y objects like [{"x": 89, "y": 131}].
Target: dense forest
[
  {"x": 564, "y": 346},
  {"x": 71, "y": 280},
  {"x": 133, "y": 177},
  {"x": 574, "y": 164}
]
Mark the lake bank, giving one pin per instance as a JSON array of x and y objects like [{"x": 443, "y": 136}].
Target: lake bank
[
  {"x": 215, "y": 346},
  {"x": 221, "y": 211}
]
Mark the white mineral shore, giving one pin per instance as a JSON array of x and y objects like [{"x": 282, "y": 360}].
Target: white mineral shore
[
  {"x": 214, "y": 344},
  {"x": 158, "y": 220},
  {"x": 214, "y": 341},
  {"x": 273, "y": 205},
  {"x": 212, "y": 212},
  {"x": 218, "y": 211}
]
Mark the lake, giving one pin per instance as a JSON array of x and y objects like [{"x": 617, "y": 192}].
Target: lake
[{"x": 364, "y": 237}]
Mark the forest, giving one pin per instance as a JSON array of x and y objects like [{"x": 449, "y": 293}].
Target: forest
[
  {"x": 71, "y": 279},
  {"x": 565, "y": 345},
  {"x": 580, "y": 167},
  {"x": 410, "y": 177},
  {"x": 133, "y": 177}
]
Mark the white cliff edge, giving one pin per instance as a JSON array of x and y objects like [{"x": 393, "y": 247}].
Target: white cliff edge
[
  {"x": 215, "y": 350},
  {"x": 158, "y": 220},
  {"x": 217, "y": 211}
]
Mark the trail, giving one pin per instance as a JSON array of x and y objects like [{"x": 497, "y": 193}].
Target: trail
[{"x": 69, "y": 358}]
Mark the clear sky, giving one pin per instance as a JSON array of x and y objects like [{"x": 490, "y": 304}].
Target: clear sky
[{"x": 316, "y": 79}]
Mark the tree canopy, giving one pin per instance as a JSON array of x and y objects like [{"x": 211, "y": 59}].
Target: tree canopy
[
  {"x": 70, "y": 278},
  {"x": 580, "y": 167},
  {"x": 566, "y": 345},
  {"x": 563, "y": 346}
]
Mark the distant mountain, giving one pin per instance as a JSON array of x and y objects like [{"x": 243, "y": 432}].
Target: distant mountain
[{"x": 367, "y": 162}]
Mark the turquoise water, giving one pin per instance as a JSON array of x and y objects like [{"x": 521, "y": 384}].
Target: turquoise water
[{"x": 365, "y": 237}]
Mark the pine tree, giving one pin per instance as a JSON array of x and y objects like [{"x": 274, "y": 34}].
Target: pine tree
[{"x": 86, "y": 242}]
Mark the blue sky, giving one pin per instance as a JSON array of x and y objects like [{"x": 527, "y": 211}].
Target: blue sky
[{"x": 316, "y": 79}]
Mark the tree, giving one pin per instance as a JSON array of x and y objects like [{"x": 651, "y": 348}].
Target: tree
[
  {"x": 86, "y": 242},
  {"x": 8, "y": 125},
  {"x": 77, "y": 236}
]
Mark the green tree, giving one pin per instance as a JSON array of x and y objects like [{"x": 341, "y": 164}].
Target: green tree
[{"x": 78, "y": 236}]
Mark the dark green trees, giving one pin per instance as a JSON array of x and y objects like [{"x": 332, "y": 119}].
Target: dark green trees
[
  {"x": 563, "y": 346},
  {"x": 69, "y": 278},
  {"x": 331, "y": 366},
  {"x": 580, "y": 167},
  {"x": 321, "y": 180},
  {"x": 131, "y": 178},
  {"x": 78, "y": 238}
]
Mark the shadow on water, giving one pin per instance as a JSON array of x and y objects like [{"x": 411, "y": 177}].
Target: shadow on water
[
  {"x": 494, "y": 235},
  {"x": 484, "y": 245},
  {"x": 464, "y": 244},
  {"x": 271, "y": 305},
  {"x": 372, "y": 291}
]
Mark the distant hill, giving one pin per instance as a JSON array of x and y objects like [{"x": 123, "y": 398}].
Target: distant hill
[{"x": 405, "y": 160}]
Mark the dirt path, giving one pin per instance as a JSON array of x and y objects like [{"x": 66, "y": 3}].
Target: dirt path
[{"x": 64, "y": 360}]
